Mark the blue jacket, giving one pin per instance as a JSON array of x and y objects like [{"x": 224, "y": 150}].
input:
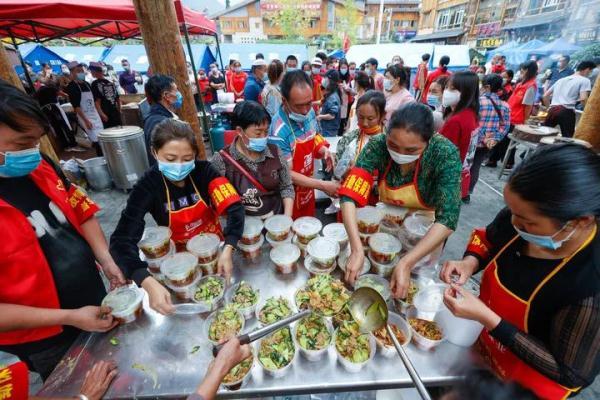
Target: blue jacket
[
  {"x": 253, "y": 88},
  {"x": 157, "y": 114}
]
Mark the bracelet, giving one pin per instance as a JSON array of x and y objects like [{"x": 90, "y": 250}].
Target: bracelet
[
  {"x": 231, "y": 246},
  {"x": 82, "y": 397}
]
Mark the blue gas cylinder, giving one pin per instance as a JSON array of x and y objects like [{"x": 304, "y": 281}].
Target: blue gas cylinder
[{"x": 217, "y": 134}]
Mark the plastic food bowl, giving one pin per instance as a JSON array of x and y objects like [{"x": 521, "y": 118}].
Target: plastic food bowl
[
  {"x": 390, "y": 227},
  {"x": 384, "y": 247},
  {"x": 251, "y": 251},
  {"x": 215, "y": 302},
  {"x": 285, "y": 258},
  {"x": 392, "y": 213},
  {"x": 278, "y": 227},
  {"x": 420, "y": 341},
  {"x": 336, "y": 231},
  {"x": 155, "y": 241},
  {"x": 369, "y": 219},
  {"x": 364, "y": 239},
  {"x": 205, "y": 246},
  {"x": 349, "y": 365},
  {"x": 180, "y": 269},
  {"x": 213, "y": 316},
  {"x": 125, "y": 302},
  {"x": 415, "y": 226},
  {"x": 262, "y": 304},
  {"x": 404, "y": 326},
  {"x": 209, "y": 269},
  {"x": 185, "y": 293},
  {"x": 384, "y": 270},
  {"x": 237, "y": 385},
  {"x": 459, "y": 331},
  {"x": 317, "y": 269},
  {"x": 323, "y": 251},
  {"x": 313, "y": 355},
  {"x": 416, "y": 282},
  {"x": 343, "y": 262},
  {"x": 253, "y": 227},
  {"x": 247, "y": 312},
  {"x": 306, "y": 229},
  {"x": 278, "y": 373},
  {"x": 301, "y": 246},
  {"x": 375, "y": 282},
  {"x": 429, "y": 301},
  {"x": 154, "y": 263},
  {"x": 275, "y": 243}
]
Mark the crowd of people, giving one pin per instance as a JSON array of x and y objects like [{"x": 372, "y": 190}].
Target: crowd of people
[{"x": 416, "y": 145}]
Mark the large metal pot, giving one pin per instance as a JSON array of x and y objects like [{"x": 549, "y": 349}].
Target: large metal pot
[
  {"x": 124, "y": 148},
  {"x": 96, "y": 173}
]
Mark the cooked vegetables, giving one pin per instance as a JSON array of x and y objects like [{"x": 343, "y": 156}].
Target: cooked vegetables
[
  {"x": 239, "y": 371},
  {"x": 245, "y": 296},
  {"x": 226, "y": 323},
  {"x": 323, "y": 294},
  {"x": 351, "y": 344},
  {"x": 413, "y": 289},
  {"x": 312, "y": 333},
  {"x": 371, "y": 282},
  {"x": 277, "y": 351},
  {"x": 342, "y": 316},
  {"x": 427, "y": 329},
  {"x": 209, "y": 290},
  {"x": 275, "y": 309},
  {"x": 382, "y": 336},
  {"x": 114, "y": 341}
]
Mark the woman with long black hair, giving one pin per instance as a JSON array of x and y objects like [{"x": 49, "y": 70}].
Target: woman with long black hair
[
  {"x": 329, "y": 117},
  {"x": 346, "y": 92},
  {"x": 540, "y": 291}
]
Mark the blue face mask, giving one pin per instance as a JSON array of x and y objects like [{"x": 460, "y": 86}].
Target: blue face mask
[
  {"x": 290, "y": 69},
  {"x": 20, "y": 163},
  {"x": 178, "y": 101},
  {"x": 81, "y": 76},
  {"x": 257, "y": 144},
  {"x": 433, "y": 100},
  {"x": 547, "y": 242},
  {"x": 174, "y": 171},
  {"x": 300, "y": 118}
]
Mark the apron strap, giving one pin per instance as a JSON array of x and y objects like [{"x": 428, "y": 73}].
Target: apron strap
[{"x": 227, "y": 157}]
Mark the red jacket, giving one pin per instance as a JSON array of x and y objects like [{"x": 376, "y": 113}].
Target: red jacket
[
  {"x": 439, "y": 71},
  {"x": 26, "y": 276},
  {"x": 515, "y": 102},
  {"x": 498, "y": 69},
  {"x": 205, "y": 91},
  {"x": 236, "y": 83},
  {"x": 459, "y": 128},
  {"x": 421, "y": 71}
]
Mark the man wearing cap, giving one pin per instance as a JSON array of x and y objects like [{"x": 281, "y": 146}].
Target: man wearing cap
[
  {"x": 82, "y": 100},
  {"x": 128, "y": 78},
  {"x": 315, "y": 73},
  {"x": 106, "y": 97},
  {"x": 256, "y": 80}
]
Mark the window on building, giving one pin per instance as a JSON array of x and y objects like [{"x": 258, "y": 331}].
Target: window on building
[
  {"x": 257, "y": 25},
  {"x": 241, "y": 25},
  {"x": 450, "y": 18},
  {"x": 226, "y": 24},
  {"x": 396, "y": 23},
  {"x": 257, "y": 7},
  {"x": 330, "y": 15},
  {"x": 313, "y": 24}
]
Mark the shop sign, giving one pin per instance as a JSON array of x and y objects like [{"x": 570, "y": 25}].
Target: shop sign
[{"x": 489, "y": 43}]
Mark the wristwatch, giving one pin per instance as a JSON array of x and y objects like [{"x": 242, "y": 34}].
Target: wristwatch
[{"x": 82, "y": 397}]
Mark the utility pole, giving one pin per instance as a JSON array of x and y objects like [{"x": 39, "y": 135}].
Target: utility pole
[
  {"x": 379, "y": 21},
  {"x": 160, "y": 31},
  {"x": 587, "y": 128},
  {"x": 8, "y": 73}
]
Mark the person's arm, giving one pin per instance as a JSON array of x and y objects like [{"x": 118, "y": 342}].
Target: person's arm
[
  {"x": 97, "y": 103},
  {"x": 93, "y": 234},
  {"x": 547, "y": 97},
  {"x": 584, "y": 92},
  {"x": 528, "y": 101},
  {"x": 286, "y": 188}
]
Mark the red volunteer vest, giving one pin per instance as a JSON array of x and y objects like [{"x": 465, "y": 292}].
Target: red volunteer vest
[{"x": 515, "y": 102}]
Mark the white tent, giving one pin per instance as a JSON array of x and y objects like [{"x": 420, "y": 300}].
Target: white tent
[
  {"x": 410, "y": 52},
  {"x": 458, "y": 53}
]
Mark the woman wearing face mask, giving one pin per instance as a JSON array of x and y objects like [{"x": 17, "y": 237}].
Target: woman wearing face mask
[
  {"x": 257, "y": 170},
  {"x": 237, "y": 80},
  {"x": 329, "y": 116},
  {"x": 461, "y": 112},
  {"x": 180, "y": 192},
  {"x": 346, "y": 92},
  {"x": 271, "y": 95},
  {"x": 362, "y": 82},
  {"x": 394, "y": 86},
  {"x": 165, "y": 99},
  {"x": 540, "y": 291},
  {"x": 417, "y": 169},
  {"x": 441, "y": 70}
]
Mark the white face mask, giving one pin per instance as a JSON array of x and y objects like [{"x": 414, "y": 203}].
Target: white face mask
[
  {"x": 400, "y": 158},
  {"x": 450, "y": 98}
]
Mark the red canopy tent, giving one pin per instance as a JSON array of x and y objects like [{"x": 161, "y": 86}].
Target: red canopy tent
[{"x": 44, "y": 20}]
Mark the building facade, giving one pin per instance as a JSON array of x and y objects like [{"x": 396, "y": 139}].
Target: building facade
[
  {"x": 538, "y": 19},
  {"x": 399, "y": 23},
  {"x": 443, "y": 21},
  {"x": 583, "y": 25}
]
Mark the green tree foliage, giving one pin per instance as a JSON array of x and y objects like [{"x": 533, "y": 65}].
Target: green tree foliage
[
  {"x": 291, "y": 19},
  {"x": 587, "y": 53}
]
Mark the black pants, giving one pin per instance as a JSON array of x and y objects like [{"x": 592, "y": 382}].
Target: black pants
[
  {"x": 563, "y": 117},
  {"x": 480, "y": 154},
  {"x": 497, "y": 153}
]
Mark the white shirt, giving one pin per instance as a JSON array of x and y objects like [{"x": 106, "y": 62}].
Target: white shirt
[{"x": 567, "y": 91}]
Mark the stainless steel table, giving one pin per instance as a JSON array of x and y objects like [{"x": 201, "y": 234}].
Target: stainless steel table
[{"x": 156, "y": 356}]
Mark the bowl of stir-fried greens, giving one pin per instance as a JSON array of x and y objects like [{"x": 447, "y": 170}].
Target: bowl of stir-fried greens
[
  {"x": 273, "y": 309},
  {"x": 244, "y": 297},
  {"x": 401, "y": 330},
  {"x": 375, "y": 282},
  {"x": 313, "y": 335},
  {"x": 238, "y": 375},
  {"x": 224, "y": 324},
  {"x": 354, "y": 349},
  {"x": 276, "y": 352},
  {"x": 322, "y": 294},
  {"x": 344, "y": 315},
  {"x": 210, "y": 291},
  {"x": 425, "y": 334}
]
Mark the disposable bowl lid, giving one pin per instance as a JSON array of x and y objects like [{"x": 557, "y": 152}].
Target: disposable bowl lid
[
  {"x": 295, "y": 241},
  {"x": 286, "y": 253},
  {"x": 323, "y": 248},
  {"x": 278, "y": 223},
  {"x": 417, "y": 224},
  {"x": 307, "y": 226},
  {"x": 430, "y": 298},
  {"x": 154, "y": 236},
  {"x": 123, "y": 300},
  {"x": 369, "y": 214},
  {"x": 252, "y": 247},
  {"x": 384, "y": 243},
  {"x": 388, "y": 209},
  {"x": 203, "y": 243},
  {"x": 179, "y": 265},
  {"x": 252, "y": 227},
  {"x": 336, "y": 231}
]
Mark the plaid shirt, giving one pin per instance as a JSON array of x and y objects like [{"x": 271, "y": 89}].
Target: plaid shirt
[{"x": 491, "y": 126}]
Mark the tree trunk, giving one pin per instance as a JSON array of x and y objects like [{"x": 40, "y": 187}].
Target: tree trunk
[
  {"x": 8, "y": 73},
  {"x": 160, "y": 31},
  {"x": 587, "y": 128}
]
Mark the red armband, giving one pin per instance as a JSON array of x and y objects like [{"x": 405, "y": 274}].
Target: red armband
[
  {"x": 357, "y": 186},
  {"x": 223, "y": 194},
  {"x": 14, "y": 382},
  {"x": 83, "y": 207},
  {"x": 478, "y": 244},
  {"x": 319, "y": 143}
]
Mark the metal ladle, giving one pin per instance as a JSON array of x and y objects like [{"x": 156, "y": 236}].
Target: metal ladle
[{"x": 369, "y": 310}]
